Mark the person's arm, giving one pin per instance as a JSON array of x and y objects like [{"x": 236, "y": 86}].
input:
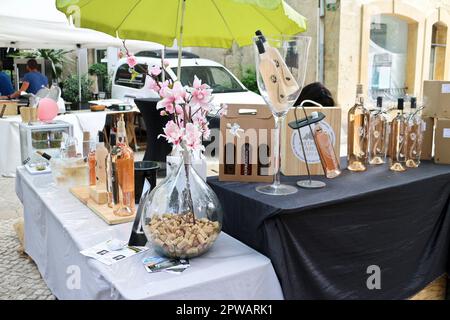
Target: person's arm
[{"x": 23, "y": 88}]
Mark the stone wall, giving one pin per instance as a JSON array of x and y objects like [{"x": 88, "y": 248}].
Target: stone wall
[
  {"x": 238, "y": 59},
  {"x": 342, "y": 30}
]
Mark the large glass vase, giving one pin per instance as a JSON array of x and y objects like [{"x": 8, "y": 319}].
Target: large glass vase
[{"x": 182, "y": 216}]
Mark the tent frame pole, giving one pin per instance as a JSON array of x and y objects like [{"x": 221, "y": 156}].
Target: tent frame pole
[{"x": 180, "y": 38}]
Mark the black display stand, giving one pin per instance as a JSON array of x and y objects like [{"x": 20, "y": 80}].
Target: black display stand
[
  {"x": 306, "y": 122},
  {"x": 157, "y": 149}
]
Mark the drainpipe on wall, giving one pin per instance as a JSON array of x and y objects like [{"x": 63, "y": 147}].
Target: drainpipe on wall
[{"x": 321, "y": 42}]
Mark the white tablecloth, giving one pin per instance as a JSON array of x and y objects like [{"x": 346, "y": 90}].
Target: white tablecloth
[
  {"x": 10, "y": 137},
  {"x": 57, "y": 227}
]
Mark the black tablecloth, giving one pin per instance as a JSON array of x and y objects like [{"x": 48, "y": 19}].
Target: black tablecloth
[{"x": 321, "y": 242}]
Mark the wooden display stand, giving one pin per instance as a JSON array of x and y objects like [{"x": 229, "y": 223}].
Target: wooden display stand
[
  {"x": 292, "y": 162},
  {"x": 102, "y": 210}
]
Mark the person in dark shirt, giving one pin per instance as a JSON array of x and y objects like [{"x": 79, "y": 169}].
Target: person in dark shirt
[
  {"x": 33, "y": 80},
  {"x": 6, "y": 87},
  {"x": 316, "y": 92}
]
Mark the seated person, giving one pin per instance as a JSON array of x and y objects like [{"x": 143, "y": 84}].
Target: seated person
[
  {"x": 6, "y": 87},
  {"x": 33, "y": 80},
  {"x": 316, "y": 92}
]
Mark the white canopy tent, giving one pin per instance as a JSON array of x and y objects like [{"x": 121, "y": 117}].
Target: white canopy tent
[
  {"x": 26, "y": 23},
  {"x": 26, "y": 33},
  {"x": 32, "y": 24}
]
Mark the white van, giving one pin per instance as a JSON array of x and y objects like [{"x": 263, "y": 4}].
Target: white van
[{"x": 226, "y": 87}]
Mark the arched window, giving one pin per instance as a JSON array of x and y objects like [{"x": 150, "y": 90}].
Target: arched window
[
  {"x": 389, "y": 49},
  {"x": 392, "y": 43}
]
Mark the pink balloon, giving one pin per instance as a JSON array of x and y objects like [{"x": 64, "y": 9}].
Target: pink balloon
[{"x": 47, "y": 110}]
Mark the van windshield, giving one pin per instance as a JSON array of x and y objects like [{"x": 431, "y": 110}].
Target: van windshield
[{"x": 218, "y": 78}]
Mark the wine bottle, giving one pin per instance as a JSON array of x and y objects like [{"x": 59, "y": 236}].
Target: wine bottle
[
  {"x": 378, "y": 134},
  {"x": 122, "y": 158},
  {"x": 274, "y": 88},
  {"x": 358, "y": 126},
  {"x": 91, "y": 159},
  {"x": 325, "y": 149},
  {"x": 101, "y": 153},
  {"x": 415, "y": 126},
  {"x": 286, "y": 77},
  {"x": 44, "y": 155},
  {"x": 398, "y": 140}
]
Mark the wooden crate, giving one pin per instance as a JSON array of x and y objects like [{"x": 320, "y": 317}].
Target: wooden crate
[{"x": 292, "y": 163}]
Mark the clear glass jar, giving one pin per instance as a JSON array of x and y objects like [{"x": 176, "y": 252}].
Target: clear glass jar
[{"x": 182, "y": 216}]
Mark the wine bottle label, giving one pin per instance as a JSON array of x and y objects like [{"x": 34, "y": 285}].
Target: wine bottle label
[{"x": 310, "y": 148}]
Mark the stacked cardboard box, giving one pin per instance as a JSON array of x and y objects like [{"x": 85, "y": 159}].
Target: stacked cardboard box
[{"x": 436, "y": 96}]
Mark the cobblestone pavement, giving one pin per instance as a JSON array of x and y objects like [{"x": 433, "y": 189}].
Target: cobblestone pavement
[{"x": 19, "y": 276}]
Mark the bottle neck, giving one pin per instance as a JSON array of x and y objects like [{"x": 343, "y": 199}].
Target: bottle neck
[
  {"x": 121, "y": 137},
  {"x": 359, "y": 99}
]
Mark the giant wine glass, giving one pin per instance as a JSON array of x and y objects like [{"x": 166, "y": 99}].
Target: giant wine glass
[{"x": 280, "y": 70}]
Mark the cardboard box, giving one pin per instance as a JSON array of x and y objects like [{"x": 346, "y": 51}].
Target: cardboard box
[
  {"x": 8, "y": 108},
  {"x": 427, "y": 142},
  {"x": 245, "y": 147},
  {"x": 436, "y": 99},
  {"x": 442, "y": 141},
  {"x": 292, "y": 159}
]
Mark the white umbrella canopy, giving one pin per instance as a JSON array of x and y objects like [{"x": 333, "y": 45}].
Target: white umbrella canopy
[{"x": 25, "y": 33}]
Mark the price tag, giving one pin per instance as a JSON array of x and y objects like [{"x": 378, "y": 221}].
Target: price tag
[
  {"x": 446, "y": 88},
  {"x": 446, "y": 133}
]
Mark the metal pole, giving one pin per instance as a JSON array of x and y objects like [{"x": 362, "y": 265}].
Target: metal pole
[
  {"x": 180, "y": 38},
  {"x": 163, "y": 67},
  {"x": 79, "y": 74}
]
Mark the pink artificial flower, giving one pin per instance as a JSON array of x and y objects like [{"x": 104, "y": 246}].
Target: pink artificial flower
[
  {"x": 172, "y": 97},
  {"x": 131, "y": 60},
  {"x": 167, "y": 105},
  {"x": 166, "y": 63},
  {"x": 192, "y": 137},
  {"x": 172, "y": 133},
  {"x": 199, "y": 119},
  {"x": 206, "y": 132},
  {"x": 179, "y": 93},
  {"x": 162, "y": 113},
  {"x": 223, "y": 110},
  {"x": 155, "y": 70},
  {"x": 153, "y": 85},
  {"x": 163, "y": 86},
  {"x": 201, "y": 95},
  {"x": 179, "y": 110}
]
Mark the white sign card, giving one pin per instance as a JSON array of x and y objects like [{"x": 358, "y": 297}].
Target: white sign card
[
  {"x": 446, "y": 133},
  {"x": 446, "y": 88}
]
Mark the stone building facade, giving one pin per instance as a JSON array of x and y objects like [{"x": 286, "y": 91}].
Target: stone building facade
[{"x": 341, "y": 50}]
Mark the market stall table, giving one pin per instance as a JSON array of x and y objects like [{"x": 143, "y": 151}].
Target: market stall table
[
  {"x": 57, "y": 227},
  {"x": 81, "y": 120},
  {"x": 322, "y": 242}
]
